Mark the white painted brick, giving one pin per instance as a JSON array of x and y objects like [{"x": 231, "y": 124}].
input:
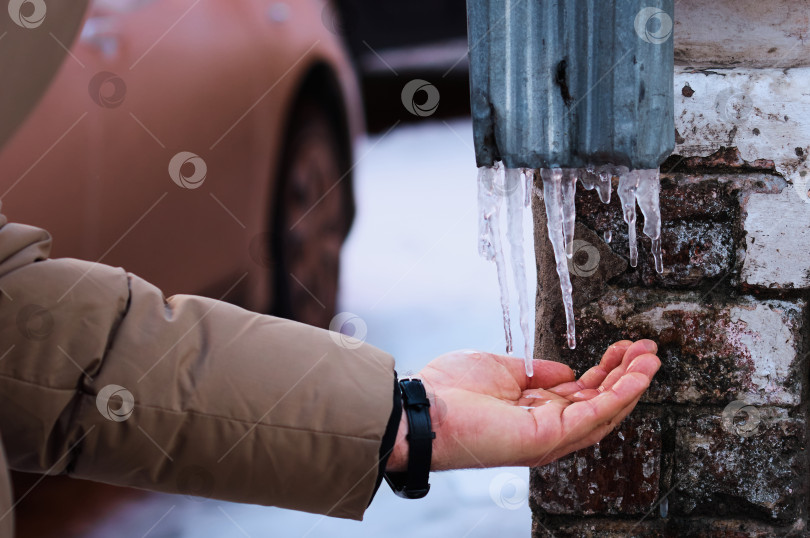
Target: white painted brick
[
  {"x": 765, "y": 113},
  {"x": 766, "y": 334},
  {"x": 777, "y": 242},
  {"x": 742, "y": 33},
  {"x": 713, "y": 353}
]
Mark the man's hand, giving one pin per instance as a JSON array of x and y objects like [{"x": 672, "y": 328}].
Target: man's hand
[{"x": 486, "y": 412}]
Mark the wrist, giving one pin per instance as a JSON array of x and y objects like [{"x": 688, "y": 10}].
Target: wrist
[
  {"x": 398, "y": 460},
  {"x": 417, "y": 435}
]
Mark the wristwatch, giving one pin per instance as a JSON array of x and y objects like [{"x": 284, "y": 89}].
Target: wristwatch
[{"x": 413, "y": 483}]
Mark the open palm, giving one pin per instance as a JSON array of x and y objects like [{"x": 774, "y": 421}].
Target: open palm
[{"x": 486, "y": 412}]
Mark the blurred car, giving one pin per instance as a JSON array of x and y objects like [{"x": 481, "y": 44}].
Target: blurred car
[{"x": 205, "y": 146}]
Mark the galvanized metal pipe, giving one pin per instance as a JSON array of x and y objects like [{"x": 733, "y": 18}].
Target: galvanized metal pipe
[{"x": 571, "y": 83}]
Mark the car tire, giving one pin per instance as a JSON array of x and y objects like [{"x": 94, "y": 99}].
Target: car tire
[{"x": 314, "y": 212}]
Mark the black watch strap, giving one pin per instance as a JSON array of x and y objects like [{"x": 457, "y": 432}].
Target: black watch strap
[{"x": 413, "y": 483}]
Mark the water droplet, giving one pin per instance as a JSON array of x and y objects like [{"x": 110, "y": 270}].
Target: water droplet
[{"x": 663, "y": 508}]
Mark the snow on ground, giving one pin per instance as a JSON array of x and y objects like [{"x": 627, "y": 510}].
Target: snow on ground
[{"x": 412, "y": 274}]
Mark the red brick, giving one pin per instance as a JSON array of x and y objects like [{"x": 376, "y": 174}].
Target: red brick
[
  {"x": 618, "y": 476},
  {"x": 751, "y": 472},
  {"x": 711, "y": 352},
  {"x": 658, "y": 528}
]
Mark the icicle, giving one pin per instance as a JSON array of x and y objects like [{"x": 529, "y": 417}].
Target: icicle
[
  {"x": 649, "y": 187},
  {"x": 642, "y": 186},
  {"x": 588, "y": 178},
  {"x": 529, "y": 175},
  {"x": 599, "y": 179},
  {"x": 628, "y": 184},
  {"x": 514, "y": 231},
  {"x": 569, "y": 190},
  {"x": 559, "y": 187},
  {"x": 490, "y": 244},
  {"x": 605, "y": 187},
  {"x": 657, "y": 256},
  {"x": 552, "y": 196},
  {"x": 606, "y": 174},
  {"x": 485, "y": 209}
]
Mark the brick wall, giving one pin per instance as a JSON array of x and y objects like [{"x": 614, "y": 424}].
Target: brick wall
[{"x": 717, "y": 445}]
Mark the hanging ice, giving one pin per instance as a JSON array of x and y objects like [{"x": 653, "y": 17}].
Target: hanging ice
[
  {"x": 569, "y": 213},
  {"x": 647, "y": 194},
  {"x": 528, "y": 174},
  {"x": 490, "y": 244},
  {"x": 514, "y": 231},
  {"x": 558, "y": 193},
  {"x": 555, "y": 213},
  {"x": 628, "y": 184},
  {"x": 642, "y": 186},
  {"x": 495, "y": 184},
  {"x": 600, "y": 180}
]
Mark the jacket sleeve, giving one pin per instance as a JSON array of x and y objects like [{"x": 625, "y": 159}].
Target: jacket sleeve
[{"x": 103, "y": 378}]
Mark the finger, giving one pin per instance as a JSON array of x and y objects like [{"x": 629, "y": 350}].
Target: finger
[
  {"x": 614, "y": 354},
  {"x": 566, "y": 389},
  {"x": 612, "y": 358},
  {"x": 594, "y": 437},
  {"x": 640, "y": 364},
  {"x": 581, "y": 418},
  {"x": 647, "y": 364},
  {"x": 591, "y": 439},
  {"x": 601, "y": 432},
  {"x": 642, "y": 347},
  {"x": 546, "y": 373},
  {"x": 593, "y": 377}
]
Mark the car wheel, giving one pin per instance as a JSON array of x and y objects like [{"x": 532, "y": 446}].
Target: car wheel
[{"x": 314, "y": 211}]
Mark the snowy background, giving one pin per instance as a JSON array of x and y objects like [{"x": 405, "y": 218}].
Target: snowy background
[{"x": 412, "y": 274}]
